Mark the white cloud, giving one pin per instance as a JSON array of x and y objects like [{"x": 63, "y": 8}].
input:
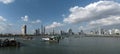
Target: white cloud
[
  {"x": 2, "y": 19},
  {"x": 93, "y": 11},
  {"x": 9, "y": 25},
  {"x": 81, "y": 27},
  {"x": 37, "y": 21},
  {"x": 25, "y": 18},
  {"x": 109, "y": 21},
  {"x": 54, "y": 25},
  {"x": 107, "y": 0},
  {"x": 2, "y": 23},
  {"x": 7, "y": 1},
  {"x": 106, "y": 21},
  {"x": 4, "y": 26},
  {"x": 87, "y": 27}
]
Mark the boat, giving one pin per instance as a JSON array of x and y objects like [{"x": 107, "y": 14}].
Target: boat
[
  {"x": 45, "y": 39},
  {"x": 27, "y": 38},
  {"x": 50, "y": 39}
]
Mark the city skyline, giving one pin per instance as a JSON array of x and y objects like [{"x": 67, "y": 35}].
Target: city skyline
[{"x": 58, "y": 15}]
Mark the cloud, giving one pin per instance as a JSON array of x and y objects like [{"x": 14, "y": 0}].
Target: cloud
[
  {"x": 54, "y": 25},
  {"x": 85, "y": 28},
  {"x": 6, "y": 1},
  {"x": 107, "y": 0},
  {"x": 2, "y": 28},
  {"x": 25, "y": 18},
  {"x": 9, "y": 25},
  {"x": 2, "y": 19},
  {"x": 93, "y": 11},
  {"x": 5, "y": 26},
  {"x": 106, "y": 21},
  {"x": 37, "y": 21}
]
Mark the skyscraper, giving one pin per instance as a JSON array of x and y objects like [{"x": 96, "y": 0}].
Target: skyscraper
[
  {"x": 53, "y": 32},
  {"x": 42, "y": 30},
  {"x": 70, "y": 32},
  {"x": 37, "y": 31},
  {"x": 24, "y": 30}
]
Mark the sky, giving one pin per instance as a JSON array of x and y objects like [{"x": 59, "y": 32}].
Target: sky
[{"x": 58, "y": 15}]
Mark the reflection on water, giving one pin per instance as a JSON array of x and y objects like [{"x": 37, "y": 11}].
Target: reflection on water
[{"x": 68, "y": 45}]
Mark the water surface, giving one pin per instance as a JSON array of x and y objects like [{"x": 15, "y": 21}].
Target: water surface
[{"x": 68, "y": 45}]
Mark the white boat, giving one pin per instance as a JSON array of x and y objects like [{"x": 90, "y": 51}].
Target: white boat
[
  {"x": 50, "y": 39},
  {"x": 45, "y": 39},
  {"x": 12, "y": 39}
]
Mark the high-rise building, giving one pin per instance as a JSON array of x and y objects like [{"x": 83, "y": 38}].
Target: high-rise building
[
  {"x": 24, "y": 30},
  {"x": 42, "y": 30},
  {"x": 37, "y": 31},
  {"x": 63, "y": 33},
  {"x": 81, "y": 32},
  {"x": 70, "y": 32},
  {"x": 53, "y": 32}
]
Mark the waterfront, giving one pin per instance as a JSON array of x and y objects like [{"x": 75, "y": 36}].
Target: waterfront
[{"x": 68, "y": 45}]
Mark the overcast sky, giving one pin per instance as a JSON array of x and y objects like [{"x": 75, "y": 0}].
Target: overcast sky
[{"x": 58, "y": 14}]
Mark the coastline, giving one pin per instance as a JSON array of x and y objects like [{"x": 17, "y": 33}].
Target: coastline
[{"x": 86, "y": 35}]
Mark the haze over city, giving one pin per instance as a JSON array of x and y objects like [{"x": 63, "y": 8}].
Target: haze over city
[{"x": 58, "y": 15}]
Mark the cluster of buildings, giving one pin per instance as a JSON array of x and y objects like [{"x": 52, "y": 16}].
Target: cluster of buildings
[
  {"x": 94, "y": 32},
  {"x": 37, "y": 31},
  {"x": 69, "y": 32},
  {"x": 106, "y": 32},
  {"x": 42, "y": 31}
]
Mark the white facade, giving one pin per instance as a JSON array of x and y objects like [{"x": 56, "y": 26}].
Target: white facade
[{"x": 24, "y": 29}]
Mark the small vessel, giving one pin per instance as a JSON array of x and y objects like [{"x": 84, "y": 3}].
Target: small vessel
[
  {"x": 27, "y": 38},
  {"x": 51, "y": 39},
  {"x": 45, "y": 39}
]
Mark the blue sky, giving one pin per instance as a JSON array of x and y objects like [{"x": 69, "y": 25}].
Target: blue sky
[
  {"x": 50, "y": 13},
  {"x": 39, "y": 9}
]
